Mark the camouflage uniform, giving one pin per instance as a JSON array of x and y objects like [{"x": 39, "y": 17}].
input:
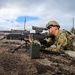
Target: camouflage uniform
[{"x": 64, "y": 41}]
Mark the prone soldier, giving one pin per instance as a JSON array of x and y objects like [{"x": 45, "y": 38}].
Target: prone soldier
[{"x": 64, "y": 40}]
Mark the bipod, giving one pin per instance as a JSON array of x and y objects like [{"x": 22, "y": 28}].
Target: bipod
[{"x": 16, "y": 49}]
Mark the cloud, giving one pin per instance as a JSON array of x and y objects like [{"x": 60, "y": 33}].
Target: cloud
[{"x": 60, "y": 10}]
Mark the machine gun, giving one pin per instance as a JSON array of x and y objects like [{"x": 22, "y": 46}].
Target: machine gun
[
  {"x": 34, "y": 47},
  {"x": 35, "y": 36}
]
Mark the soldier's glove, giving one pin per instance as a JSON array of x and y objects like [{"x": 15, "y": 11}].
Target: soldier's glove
[
  {"x": 43, "y": 42},
  {"x": 36, "y": 42},
  {"x": 29, "y": 38}
]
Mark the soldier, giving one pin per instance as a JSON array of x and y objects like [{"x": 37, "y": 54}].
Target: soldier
[{"x": 63, "y": 39}]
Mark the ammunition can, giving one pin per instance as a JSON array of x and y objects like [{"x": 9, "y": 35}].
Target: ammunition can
[{"x": 34, "y": 50}]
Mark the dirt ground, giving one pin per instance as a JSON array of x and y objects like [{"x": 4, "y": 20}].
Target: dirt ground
[{"x": 20, "y": 63}]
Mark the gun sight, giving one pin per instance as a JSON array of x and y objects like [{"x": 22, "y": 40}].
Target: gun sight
[{"x": 38, "y": 29}]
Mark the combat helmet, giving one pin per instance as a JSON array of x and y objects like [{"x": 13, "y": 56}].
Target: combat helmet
[{"x": 52, "y": 23}]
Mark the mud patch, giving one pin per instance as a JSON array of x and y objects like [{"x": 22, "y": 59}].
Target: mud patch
[{"x": 11, "y": 64}]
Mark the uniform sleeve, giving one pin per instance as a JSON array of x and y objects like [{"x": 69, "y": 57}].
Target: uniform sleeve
[
  {"x": 60, "y": 42},
  {"x": 49, "y": 41}
]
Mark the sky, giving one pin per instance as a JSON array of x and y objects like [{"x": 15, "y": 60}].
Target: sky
[{"x": 13, "y": 13}]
